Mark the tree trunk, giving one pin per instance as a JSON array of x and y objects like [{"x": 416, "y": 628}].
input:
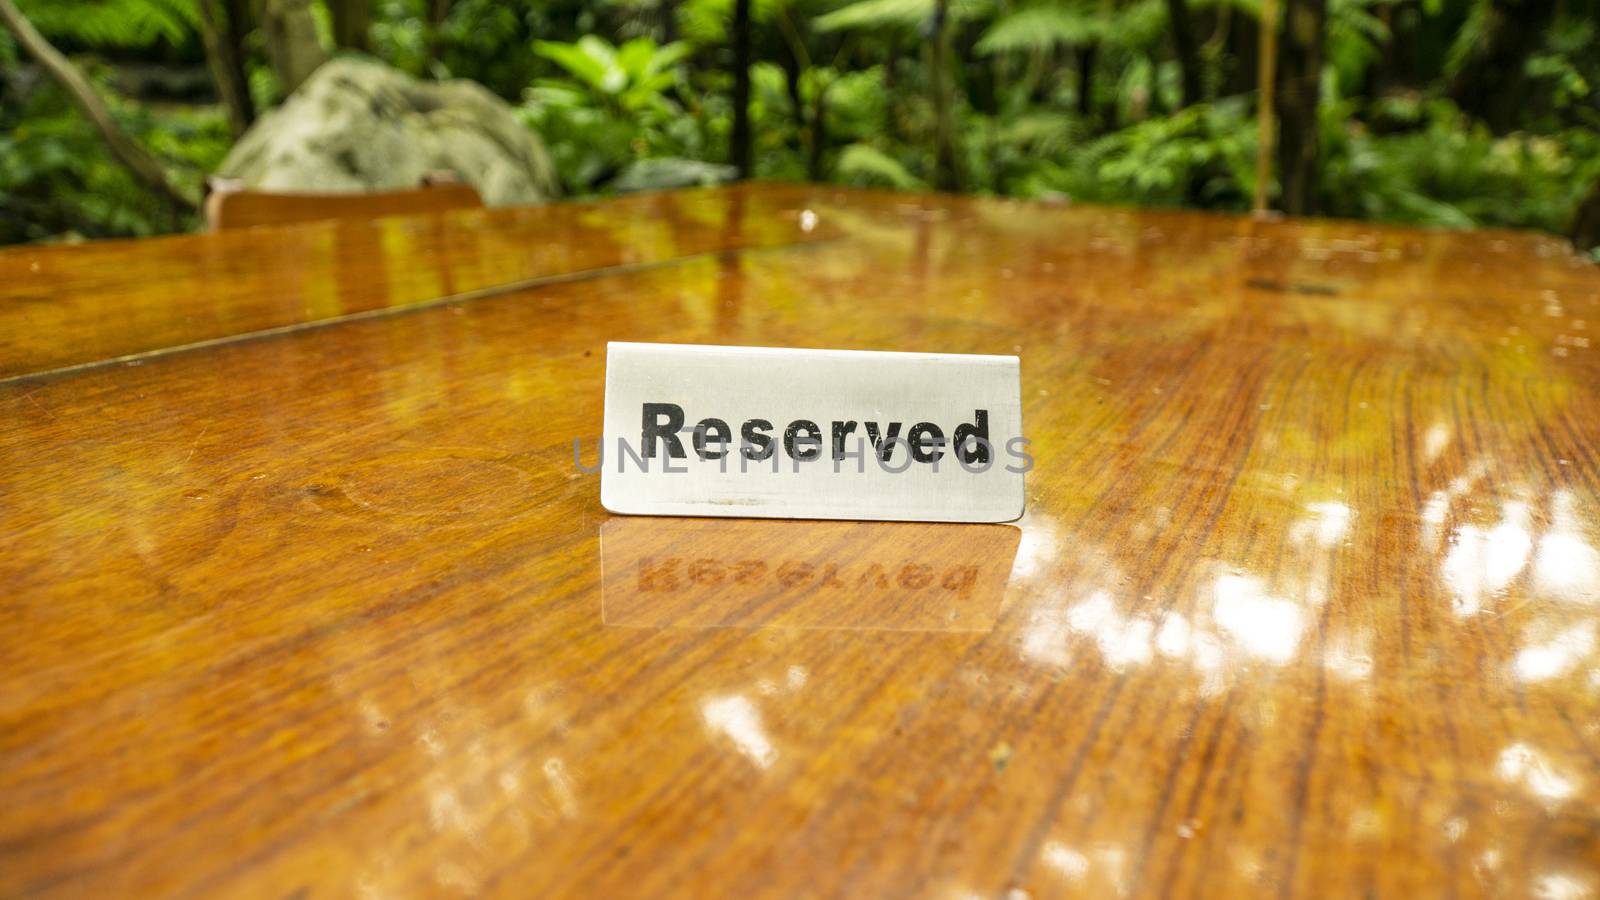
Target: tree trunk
[
  {"x": 239, "y": 20},
  {"x": 1086, "y": 55},
  {"x": 1299, "y": 136},
  {"x": 740, "y": 149},
  {"x": 352, "y": 20},
  {"x": 891, "y": 78},
  {"x": 1155, "y": 105},
  {"x": 223, "y": 57},
  {"x": 791, "y": 81},
  {"x": 669, "y": 21},
  {"x": 140, "y": 162},
  {"x": 290, "y": 33},
  {"x": 438, "y": 11},
  {"x": 794, "y": 60},
  {"x": 946, "y": 176},
  {"x": 1490, "y": 84},
  {"x": 979, "y": 83},
  {"x": 1585, "y": 230},
  {"x": 1266, "y": 128},
  {"x": 1188, "y": 53},
  {"x": 819, "y": 131},
  {"x": 1243, "y": 54}
]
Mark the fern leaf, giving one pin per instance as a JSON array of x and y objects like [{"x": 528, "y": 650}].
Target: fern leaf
[
  {"x": 114, "y": 23},
  {"x": 876, "y": 14},
  {"x": 1040, "y": 28},
  {"x": 866, "y": 164}
]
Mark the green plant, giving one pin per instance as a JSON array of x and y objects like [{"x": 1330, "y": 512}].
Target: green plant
[
  {"x": 1452, "y": 172},
  {"x": 1200, "y": 154},
  {"x": 114, "y": 23},
  {"x": 1043, "y": 27},
  {"x": 56, "y": 177},
  {"x": 616, "y": 106},
  {"x": 865, "y": 164}
]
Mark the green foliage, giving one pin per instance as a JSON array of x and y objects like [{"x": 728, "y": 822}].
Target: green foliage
[
  {"x": 842, "y": 91},
  {"x": 56, "y": 177},
  {"x": 113, "y": 23},
  {"x": 901, "y": 14},
  {"x": 616, "y": 106},
  {"x": 1452, "y": 172},
  {"x": 401, "y": 34},
  {"x": 1202, "y": 154},
  {"x": 1356, "y": 38},
  {"x": 631, "y": 78},
  {"x": 865, "y": 164},
  {"x": 1041, "y": 28},
  {"x": 877, "y": 14}
]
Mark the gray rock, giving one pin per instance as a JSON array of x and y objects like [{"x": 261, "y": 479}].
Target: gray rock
[
  {"x": 358, "y": 125},
  {"x": 667, "y": 172}
]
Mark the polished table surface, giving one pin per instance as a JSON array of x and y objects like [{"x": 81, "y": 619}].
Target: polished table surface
[{"x": 303, "y": 594}]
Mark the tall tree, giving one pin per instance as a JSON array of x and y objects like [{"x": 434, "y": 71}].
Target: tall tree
[
  {"x": 669, "y": 21},
  {"x": 1188, "y": 51},
  {"x": 1084, "y": 56},
  {"x": 1266, "y": 127},
  {"x": 224, "y": 57},
  {"x": 293, "y": 48},
  {"x": 819, "y": 131},
  {"x": 795, "y": 60},
  {"x": 144, "y": 166},
  {"x": 352, "y": 21},
  {"x": 1242, "y": 53},
  {"x": 1585, "y": 227},
  {"x": 438, "y": 11},
  {"x": 891, "y": 80},
  {"x": 740, "y": 149},
  {"x": 1491, "y": 81},
  {"x": 1299, "y": 90},
  {"x": 946, "y": 174}
]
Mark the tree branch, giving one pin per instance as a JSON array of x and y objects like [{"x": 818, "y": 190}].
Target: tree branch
[{"x": 139, "y": 161}]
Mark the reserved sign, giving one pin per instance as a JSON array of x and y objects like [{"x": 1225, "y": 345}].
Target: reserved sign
[{"x": 812, "y": 434}]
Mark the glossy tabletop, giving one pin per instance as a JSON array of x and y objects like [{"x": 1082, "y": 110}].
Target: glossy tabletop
[{"x": 304, "y": 594}]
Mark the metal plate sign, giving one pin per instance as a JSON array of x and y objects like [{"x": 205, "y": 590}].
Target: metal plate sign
[{"x": 812, "y": 434}]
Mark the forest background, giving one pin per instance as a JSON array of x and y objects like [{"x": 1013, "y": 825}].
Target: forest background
[{"x": 1452, "y": 113}]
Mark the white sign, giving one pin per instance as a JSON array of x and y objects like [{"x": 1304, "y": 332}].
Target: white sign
[{"x": 812, "y": 434}]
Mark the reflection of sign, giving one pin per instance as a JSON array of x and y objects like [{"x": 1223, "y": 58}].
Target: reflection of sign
[
  {"x": 853, "y": 575},
  {"x": 812, "y": 434},
  {"x": 663, "y": 574}
]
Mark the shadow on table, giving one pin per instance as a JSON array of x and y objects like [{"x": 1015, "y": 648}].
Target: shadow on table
[{"x": 740, "y": 573}]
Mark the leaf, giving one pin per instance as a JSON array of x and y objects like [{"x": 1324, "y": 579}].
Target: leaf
[
  {"x": 571, "y": 57},
  {"x": 668, "y": 56},
  {"x": 1043, "y": 132},
  {"x": 590, "y": 60},
  {"x": 633, "y": 58},
  {"x": 876, "y": 14},
  {"x": 1040, "y": 28},
  {"x": 866, "y": 164},
  {"x": 114, "y": 23}
]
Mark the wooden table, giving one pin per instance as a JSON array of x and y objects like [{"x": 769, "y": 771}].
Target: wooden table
[{"x": 304, "y": 596}]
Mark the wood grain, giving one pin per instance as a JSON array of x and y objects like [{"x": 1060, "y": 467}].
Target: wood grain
[
  {"x": 1304, "y": 603},
  {"x": 65, "y": 306}
]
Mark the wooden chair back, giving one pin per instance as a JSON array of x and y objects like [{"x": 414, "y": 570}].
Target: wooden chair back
[{"x": 228, "y": 205}]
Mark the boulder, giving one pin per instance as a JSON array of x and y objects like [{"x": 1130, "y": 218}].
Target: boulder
[{"x": 358, "y": 125}]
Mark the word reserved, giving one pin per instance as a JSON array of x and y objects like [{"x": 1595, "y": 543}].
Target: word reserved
[
  {"x": 924, "y": 442},
  {"x": 701, "y": 431}
]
